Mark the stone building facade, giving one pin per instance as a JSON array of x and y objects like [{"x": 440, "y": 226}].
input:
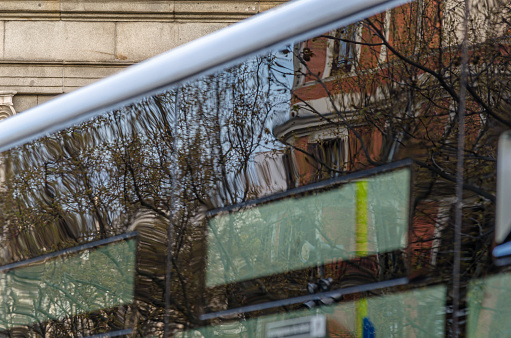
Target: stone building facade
[{"x": 51, "y": 47}]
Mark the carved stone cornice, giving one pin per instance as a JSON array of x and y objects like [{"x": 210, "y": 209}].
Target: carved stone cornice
[
  {"x": 6, "y": 104},
  {"x": 228, "y": 11}
]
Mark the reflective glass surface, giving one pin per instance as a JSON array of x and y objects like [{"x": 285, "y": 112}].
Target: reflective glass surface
[
  {"x": 259, "y": 188},
  {"x": 361, "y": 218},
  {"x": 67, "y": 285},
  {"x": 418, "y": 313},
  {"x": 489, "y": 306}
]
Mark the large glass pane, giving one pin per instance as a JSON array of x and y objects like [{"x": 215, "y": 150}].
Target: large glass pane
[
  {"x": 489, "y": 306},
  {"x": 62, "y": 286},
  {"x": 361, "y": 218},
  {"x": 417, "y": 313}
]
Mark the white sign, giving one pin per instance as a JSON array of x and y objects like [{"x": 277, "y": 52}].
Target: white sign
[{"x": 299, "y": 327}]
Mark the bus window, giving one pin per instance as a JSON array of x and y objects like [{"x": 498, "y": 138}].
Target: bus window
[{"x": 274, "y": 185}]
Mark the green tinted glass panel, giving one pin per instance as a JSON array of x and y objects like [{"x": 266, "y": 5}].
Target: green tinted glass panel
[
  {"x": 68, "y": 285},
  {"x": 417, "y": 313},
  {"x": 356, "y": 219},
  {"x": 489, "y": 307}
]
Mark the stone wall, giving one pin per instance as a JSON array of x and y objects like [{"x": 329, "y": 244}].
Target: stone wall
[{"x": 50, "y": 47}]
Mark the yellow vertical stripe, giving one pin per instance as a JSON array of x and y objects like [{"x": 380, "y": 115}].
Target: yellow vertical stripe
[
  {"x": 361, "y": 214},
  {"x": 361, "y": 314},
  {"x": 361, "y": 246}
]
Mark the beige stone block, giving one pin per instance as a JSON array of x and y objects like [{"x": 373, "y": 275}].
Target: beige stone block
[
  {"x": 117, "y": 6},
  {"x": 30, "y": 9},
  {"x": 41, "y": 90},
  {"x": 30, "y": 82},
  {"x": 28, "y": 70},
  {"x": 76, "y": 76},
  {"x": 26, "y": 86},
  {"x": 204, "y": 6},
  {"x": 93, "y": 71},
  {"x": 45, "y": 98},
  {"x": 24, "y": 102},
  {"x": 137, "y": 41},
  {"x": 125, "y": 6},
  {"x": 124, "y": 10},
  {"x": 78, "y": 82},
  {"x": 193, "y": 30},
  {"x": 59, "y": 40},
  {"x": 265, "y": 5},
  {"x": 70, "y": 89},
  {"x": 215, "y": 11},
  {"x": 30, "y": 5},
  {"x": 36, "y": 90}
]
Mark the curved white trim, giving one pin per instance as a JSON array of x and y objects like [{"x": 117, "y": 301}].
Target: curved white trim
[{"x": 295, "y": 20}]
